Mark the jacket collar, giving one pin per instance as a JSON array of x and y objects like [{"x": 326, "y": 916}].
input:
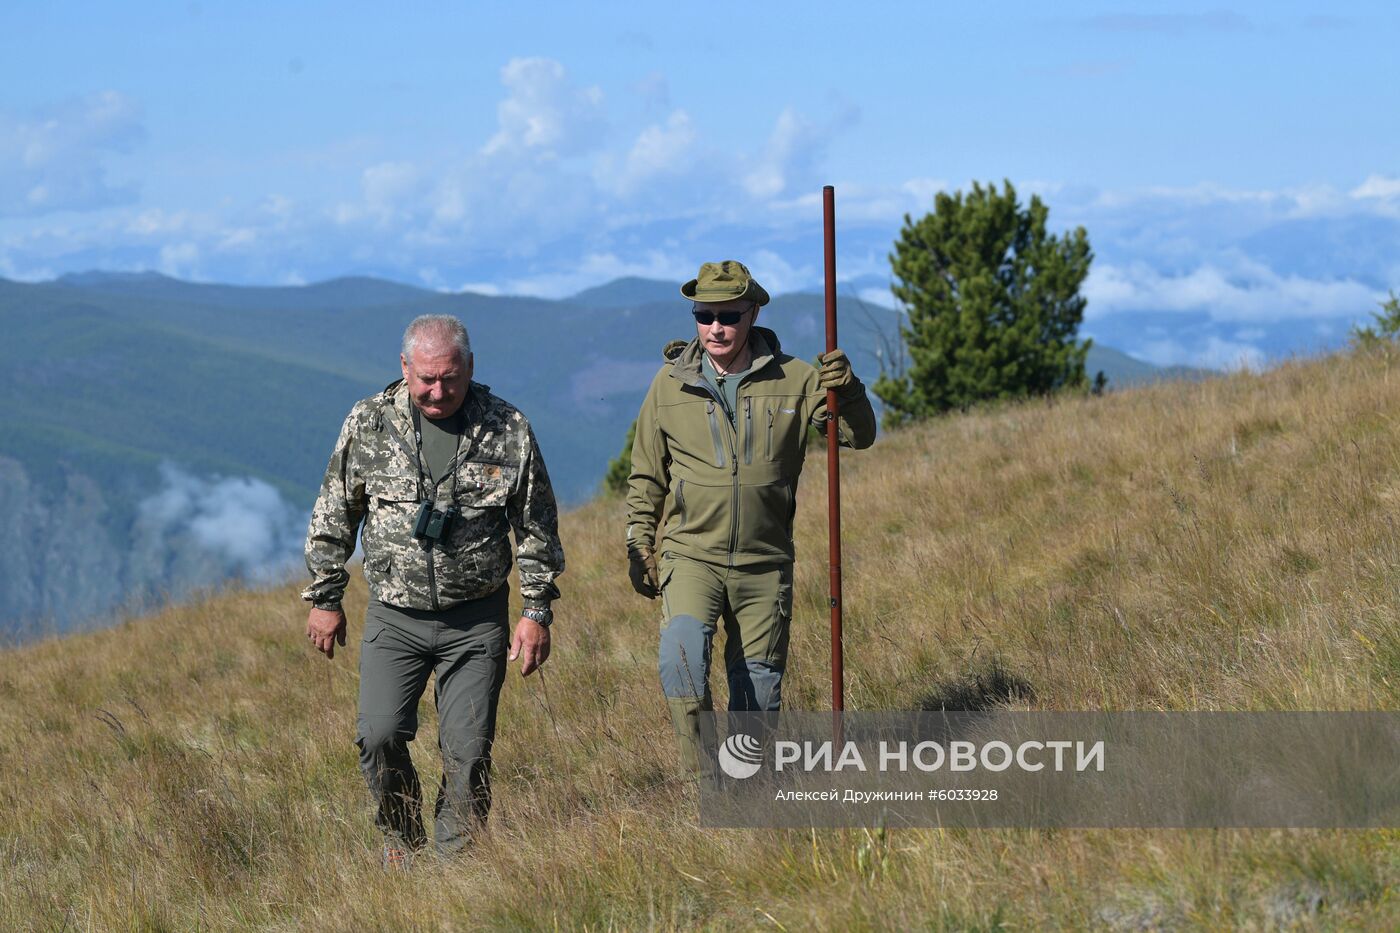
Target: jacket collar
[
  {"x": 686, "y": 365},
  {"x": 400, "y": 403}
]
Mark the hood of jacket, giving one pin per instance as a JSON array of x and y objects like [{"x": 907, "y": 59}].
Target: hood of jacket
[{"x": 685, "y": 357}]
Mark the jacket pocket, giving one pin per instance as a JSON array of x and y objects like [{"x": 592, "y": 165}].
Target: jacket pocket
[
  {"x": 765, "y": 513},
  {"x": 787, "y": 434},
  {"x": 477, "y": 550},
  {"x": 704, "y": 521},
  {"x": 379, "y": 567},
  {"x": 482, "y": 485},
  {"x": 393, "y": 508}
]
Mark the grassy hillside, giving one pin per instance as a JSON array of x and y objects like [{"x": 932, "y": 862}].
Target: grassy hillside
[{"x": 1227, "y": 544}]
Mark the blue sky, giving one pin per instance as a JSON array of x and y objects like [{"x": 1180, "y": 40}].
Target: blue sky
[{"x": 1237, "y": 167}]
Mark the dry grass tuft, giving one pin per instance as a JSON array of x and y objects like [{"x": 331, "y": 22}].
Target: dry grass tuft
[{"x": 1221, "y": 545}]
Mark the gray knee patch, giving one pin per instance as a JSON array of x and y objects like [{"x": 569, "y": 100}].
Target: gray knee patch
[
  {"x": 685, "y": 657},
  {"x": 757, "y": 685}
]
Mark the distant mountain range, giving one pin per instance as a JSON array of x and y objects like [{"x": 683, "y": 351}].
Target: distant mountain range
[{"x": 159, "y": 435}]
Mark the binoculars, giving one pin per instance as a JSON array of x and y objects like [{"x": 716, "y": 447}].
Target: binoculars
[{"x": 433, "y": 523}]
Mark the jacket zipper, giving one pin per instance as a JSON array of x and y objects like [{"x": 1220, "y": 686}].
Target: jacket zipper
[
  {"x": 714, "y": 433},
  {"x": 748, "y": 430},
  {"x": 680, "y": 504},
  {"x": 733, "y": 503},
  {"x": 734, "y": 486},
  {"x": 768, "y": 447},
  {"x": 733, "y": 469}
]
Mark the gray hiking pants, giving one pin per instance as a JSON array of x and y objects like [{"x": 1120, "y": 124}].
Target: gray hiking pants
[{"x": 466, "y": 648}]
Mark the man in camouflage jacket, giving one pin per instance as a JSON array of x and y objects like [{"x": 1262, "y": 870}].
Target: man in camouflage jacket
[
  {"x": 719, "y": 447},
  {"x": 434, "y": 444}
]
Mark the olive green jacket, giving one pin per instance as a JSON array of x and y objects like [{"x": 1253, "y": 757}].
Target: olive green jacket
[{"x": 729, "y": 492}]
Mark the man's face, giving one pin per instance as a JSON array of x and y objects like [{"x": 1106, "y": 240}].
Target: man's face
[
  {"x": 722, "y": 341},
  {"x": 437, "y": 378}
]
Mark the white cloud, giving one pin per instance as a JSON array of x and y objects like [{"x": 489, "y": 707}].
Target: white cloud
[
  {"x": 924, "y": 189},
  {"x": 391, "y": 187},
  {"x": 793, "y": 147},
  {"x": 865, "y": 204},
  {"x": 240, "y": 238},
  {"x": 1297, "y": 202},
  {"x": 1210, "y": 352},
  {"x": 778, "y": 275},
  {"x": 54, "y": 159},
  {"x": 660, "y": 149},
  {"x": 479, "y": 288},
  {"x": 544, "y": 113},
  {"x": 1243, "y": 291},
  {"x": 243, "y": 522},
  {"x": 156, "y": 222},
  {"x": 882, "y": 297},
  {"x": 562, "y": 196},
  {"x": 597, "y": 268},
  {"x": 450, "y": 202},
  {"x": 555, "y": 186},
  {"x": 15, "y": 273},
  {"x": 180, "y": 260},
  {"x": 1380, "y": 187}
]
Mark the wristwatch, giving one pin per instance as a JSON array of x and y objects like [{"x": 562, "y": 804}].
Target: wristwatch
[{"x": 544, "y": 617}]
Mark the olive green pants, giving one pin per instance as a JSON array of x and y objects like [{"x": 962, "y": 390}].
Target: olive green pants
[
  {"x": 466, "y": 648},
  {"x": 755, "y": 606}
]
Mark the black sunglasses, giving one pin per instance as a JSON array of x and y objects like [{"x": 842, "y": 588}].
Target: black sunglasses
[{"x": 726, "y": 318}]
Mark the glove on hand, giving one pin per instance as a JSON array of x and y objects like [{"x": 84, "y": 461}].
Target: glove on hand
[
  {"x": 835, "y": 373},
  {"x": 642, "y": 571}
]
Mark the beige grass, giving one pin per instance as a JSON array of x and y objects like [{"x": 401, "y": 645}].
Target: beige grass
[{"x": 1224, "y": 545}]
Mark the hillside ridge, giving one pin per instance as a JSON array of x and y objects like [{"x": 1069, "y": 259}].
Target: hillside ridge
[{"x": 1219, "y": 545}]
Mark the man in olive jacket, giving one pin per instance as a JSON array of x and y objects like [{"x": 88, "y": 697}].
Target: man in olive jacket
[{"x": 719, "y": 448}]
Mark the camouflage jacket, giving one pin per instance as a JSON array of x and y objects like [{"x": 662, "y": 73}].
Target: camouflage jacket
[{"x": 373, "y": 478}]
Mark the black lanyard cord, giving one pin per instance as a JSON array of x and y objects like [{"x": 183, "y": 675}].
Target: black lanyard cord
[{"x": 418, "y": 451}]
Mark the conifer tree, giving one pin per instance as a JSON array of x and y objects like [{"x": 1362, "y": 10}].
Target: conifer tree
[
  {"x": 620, "y": 467},
  {"x": 993, "y": 304}
]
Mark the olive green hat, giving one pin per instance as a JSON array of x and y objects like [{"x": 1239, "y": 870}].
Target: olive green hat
[{"x": 724, "y": 281}]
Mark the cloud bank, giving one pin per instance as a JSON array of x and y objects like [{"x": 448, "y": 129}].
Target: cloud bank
[
  {"x": 244, "y": 525},
  {"x": 570, "y": 188}
]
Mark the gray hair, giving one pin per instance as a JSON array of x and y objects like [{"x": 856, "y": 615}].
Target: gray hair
[{"x": 436, "y": 329}]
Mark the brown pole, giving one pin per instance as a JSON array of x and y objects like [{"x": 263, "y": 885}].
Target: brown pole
[{"x": 833, "y": 459}]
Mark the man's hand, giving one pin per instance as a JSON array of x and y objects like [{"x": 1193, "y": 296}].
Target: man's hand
[
  {"x": 531, "y": 643},
  {"x": 835, "y": 372},
  {"x": 642, "y": 571},
  {"x": 326, "y": 628}
]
